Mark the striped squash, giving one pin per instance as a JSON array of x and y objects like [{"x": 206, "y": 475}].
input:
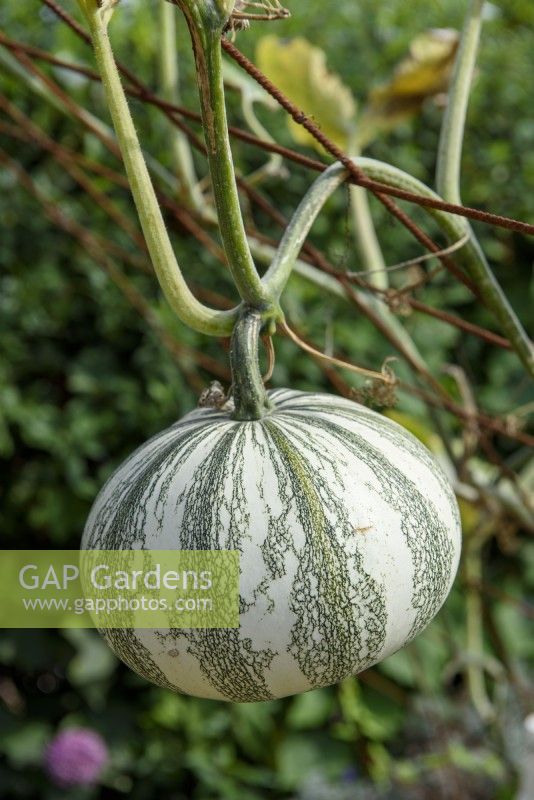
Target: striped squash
[{"x": 348, "y": 532}]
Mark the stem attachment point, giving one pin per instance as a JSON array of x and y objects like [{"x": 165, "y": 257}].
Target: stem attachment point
[{"x": 250, "y": 397}]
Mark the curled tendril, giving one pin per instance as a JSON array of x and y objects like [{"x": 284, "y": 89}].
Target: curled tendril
[
  {"x": 386, "y": 377},
  {"x": 246, "y": 11}
]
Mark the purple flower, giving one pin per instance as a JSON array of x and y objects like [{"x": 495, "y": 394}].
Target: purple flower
[
  {"x": 350, "y": 775},
  {"x": 75, "y": 757}
]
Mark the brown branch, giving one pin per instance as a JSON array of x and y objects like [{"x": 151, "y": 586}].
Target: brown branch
[
  {"x": 358, "y": 176},
  {"x": 188, "y": 222},
  {"x": 181, "y": 214},
  {"x": 461, "y": 324},
  {"x": 311, "y": 252},
  {"x": 66, "y": 159},
  {"x": 441, "y": 402},
  {"x": 490, "y": 423},
  {"x": 145, "y": 95}
]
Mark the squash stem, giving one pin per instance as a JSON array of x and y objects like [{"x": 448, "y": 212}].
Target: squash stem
[
  {"x": 205, "y": 29},
  {"x": 453, "y": 127},
  {"x": 448, "y": 182},
  {"x": 470, "y": 256},
  {"x": 250, "y": 397},
  {"x": 181, "y": 299}
]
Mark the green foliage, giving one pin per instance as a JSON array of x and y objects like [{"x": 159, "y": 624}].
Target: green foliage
[{"x": 85, "y": 379}]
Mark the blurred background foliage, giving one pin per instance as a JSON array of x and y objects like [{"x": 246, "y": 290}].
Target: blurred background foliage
[{"x": 92, "y": 363}]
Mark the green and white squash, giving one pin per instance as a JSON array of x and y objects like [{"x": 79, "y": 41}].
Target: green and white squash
[{"x": 348, "y": 532}]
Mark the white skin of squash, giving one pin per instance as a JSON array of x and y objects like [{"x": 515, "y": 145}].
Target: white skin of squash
[{"x": 367, "y": 507}]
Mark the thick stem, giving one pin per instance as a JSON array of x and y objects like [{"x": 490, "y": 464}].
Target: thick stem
[
  {"x": 471, "y": 255},
  {"x": 299, "y": 226},
  {"x": 453, "y": 127},
  {"x": 448, "y": 183},
  {"x": 250, "y": 397},
  {"x": 205, "y": 36},
  {"x": 181, "y": 299}
]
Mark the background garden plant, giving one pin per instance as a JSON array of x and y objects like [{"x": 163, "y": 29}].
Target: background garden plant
[{"x": 64, "y": 394}]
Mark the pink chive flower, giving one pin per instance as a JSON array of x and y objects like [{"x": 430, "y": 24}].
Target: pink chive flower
[{"x": 75, "y": 757}]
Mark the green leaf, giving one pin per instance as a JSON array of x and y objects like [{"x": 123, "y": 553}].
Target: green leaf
[
  {"x": 310, "y": 710},
  {"x": 421, "y": 431},
  {"x": 25, "y": 747},
  {"x": 94, "y": 661},
  {"x": 300, "y": 755},
  {"x": 399, "y": 667},
  {"x": 168, "y": 711},
  {"x": 299, "y": 69}
]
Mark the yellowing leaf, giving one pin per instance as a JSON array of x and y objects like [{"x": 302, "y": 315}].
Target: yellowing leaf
[
  {"x": 424, "y": 73},
  {"x": 299, "y": 69},
  {"x": 470, "y": 515},
  {"x": 421, "y": 431}
]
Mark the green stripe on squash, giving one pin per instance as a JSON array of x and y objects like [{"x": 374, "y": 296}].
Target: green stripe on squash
[{"x": 348, "y": 532}]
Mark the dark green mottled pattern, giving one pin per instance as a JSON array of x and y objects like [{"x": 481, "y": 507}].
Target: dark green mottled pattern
[
  {"x": 228, "y": 661},
  {"x": 426, "y": 536},
  {"x": 392, "y": 432},
  {"x": 339, "y": 609},
  {"x": 279, "y": 541},
  {"x": 130, "y": 649},
  {"x": 206, "y": 499},
  {"x": 122, "y": 516},
  {"x": 328, "y": 640}
]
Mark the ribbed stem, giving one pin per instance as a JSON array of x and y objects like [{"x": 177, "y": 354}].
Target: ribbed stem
[
  {"x": 181, "y": 299},
  {"x": 453, "y": 127},
  {"x": 205, "y": 30},
  {"x": 250, "y": 397},
  {"x": 470, "y": 256}
]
